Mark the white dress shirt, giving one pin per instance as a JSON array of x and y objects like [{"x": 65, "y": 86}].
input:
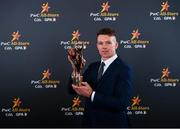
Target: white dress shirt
[{"x": 107, "y": 64}]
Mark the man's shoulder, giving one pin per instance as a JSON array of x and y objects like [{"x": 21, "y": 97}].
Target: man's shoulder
[
  {"x": 94, "y": 64},
  {"x": 121, "y": 64},
  {"x": 123, "y": 68}
]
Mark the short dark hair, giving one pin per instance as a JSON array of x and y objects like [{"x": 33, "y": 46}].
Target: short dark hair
[{"x": 106, "y": 31}]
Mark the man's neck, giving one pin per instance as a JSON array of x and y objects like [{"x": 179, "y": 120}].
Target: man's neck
[{"x": 104, "y": 59}]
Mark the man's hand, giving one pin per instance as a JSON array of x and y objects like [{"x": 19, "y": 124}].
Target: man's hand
[{"x": 84, "y": 89}]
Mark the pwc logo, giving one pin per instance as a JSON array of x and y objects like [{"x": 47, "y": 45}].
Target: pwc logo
[
  {"x": 45, "y": 81},
  {"x": 16, "y": 109},
  {"x": 45, "y": 15},
  {"x": 135, "y": 41},
  {"x": 104, "y": 14},
  {"x": 136, "y": 108},
  {"x": 75, "y": 41},
  {"x": 164, "y": 13},
  {"x": 75, "y": 109},
  {"x": 165, "y": 80},
  {"x": 15, "y": 44}
]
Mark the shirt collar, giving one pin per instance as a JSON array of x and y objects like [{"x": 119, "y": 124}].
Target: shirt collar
[{"x": 110, "y": 60}]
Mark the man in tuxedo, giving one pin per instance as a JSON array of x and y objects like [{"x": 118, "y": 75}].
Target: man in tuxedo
[{"x": 106, "y": 86}]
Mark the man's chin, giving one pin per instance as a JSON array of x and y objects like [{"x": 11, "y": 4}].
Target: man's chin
[{"x": 105, "y": 57}]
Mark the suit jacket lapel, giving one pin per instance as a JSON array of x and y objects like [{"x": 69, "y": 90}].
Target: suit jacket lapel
[
  {"x": 107, "y": 72},
  {"x": 95, "y": 73}
]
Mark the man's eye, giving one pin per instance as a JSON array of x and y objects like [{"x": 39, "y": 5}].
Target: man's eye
[
  {"x": 100, "y": 43},
  {"x": 108, "y": 42}
]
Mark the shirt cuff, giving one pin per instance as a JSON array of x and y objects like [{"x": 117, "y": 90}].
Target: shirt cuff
[{"x": 92, "y": 96}]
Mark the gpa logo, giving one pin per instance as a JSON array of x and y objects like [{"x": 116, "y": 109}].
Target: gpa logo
[
  {"x": 45, "y": 15},
  {"x": 46, "y": 81},
  {"x": 17, "y": 109},
  {"x": 164, "y": 80},
  {"x": 135, "y": 41},
  {"x": 15, "y": 43},
  {"x": 75, "y": 110},
  {"x": 75, "y": 41},
  {"x": 104, "y": 14},
  {"x": 136, "y": 108},
  {"x": 164, "y": 13}
]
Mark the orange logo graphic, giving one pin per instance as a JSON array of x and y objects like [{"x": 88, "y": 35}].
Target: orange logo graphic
[
  {"x": 164, "y": 6},
  {"x": 165, "y": 73},
  {"x": 16, "y": 102},
  {"x": 135, "y": 34},
  {"x": 105, "y": 7},
  {"x": 15, "y": 36},
  {"x": 76, "y": 101},
  {"x": 136, "y": 101},
  {"x": 75, "y": 35},
  {"x": 46, "y": 74},
  {"x": 45, "y": 8}
]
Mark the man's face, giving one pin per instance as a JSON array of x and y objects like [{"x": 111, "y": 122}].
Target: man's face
[{"x": 106, "y": 46}]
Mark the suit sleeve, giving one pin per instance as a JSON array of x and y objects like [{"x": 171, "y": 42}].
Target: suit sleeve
[{"x": 121, "y": 97}]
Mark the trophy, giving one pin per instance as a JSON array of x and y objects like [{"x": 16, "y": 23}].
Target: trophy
[{"x": 75, "y": 57}]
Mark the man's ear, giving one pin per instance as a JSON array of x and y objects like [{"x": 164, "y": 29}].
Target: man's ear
[
  {"x": 117, "y": 45},
  {"x": 97, "y": 45}
]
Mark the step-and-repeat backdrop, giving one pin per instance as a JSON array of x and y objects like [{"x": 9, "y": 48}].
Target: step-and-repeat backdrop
[{"x": 34, "y": 69}]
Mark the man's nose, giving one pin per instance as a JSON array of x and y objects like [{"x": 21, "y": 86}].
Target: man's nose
[{"x": 104, "y": 46}]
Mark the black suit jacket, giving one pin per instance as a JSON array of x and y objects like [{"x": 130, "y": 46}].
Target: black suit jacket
[{"x": 113, "y": 93}]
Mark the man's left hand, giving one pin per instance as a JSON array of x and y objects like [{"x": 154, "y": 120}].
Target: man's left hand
[{"x": 84, "y": 89}]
